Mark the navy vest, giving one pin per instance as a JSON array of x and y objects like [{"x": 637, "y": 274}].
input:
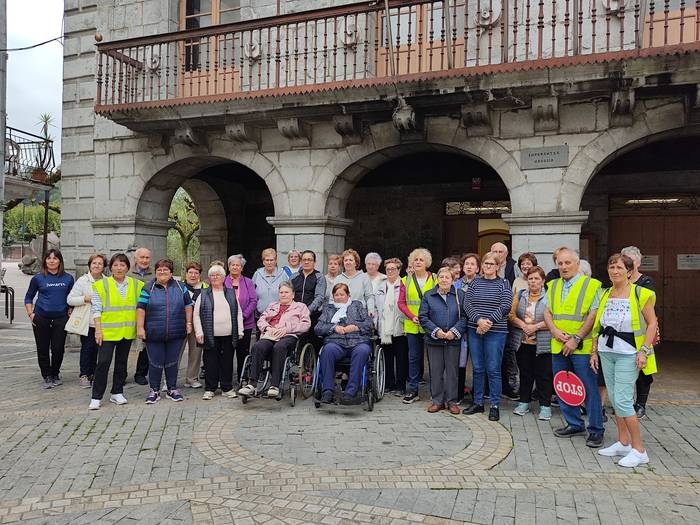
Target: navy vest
[
  {"x": 165, "y": 314},
  {"x": 206, "y": 314}
]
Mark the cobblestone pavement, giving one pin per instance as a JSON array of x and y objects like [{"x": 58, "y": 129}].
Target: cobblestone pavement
[{"x": 266, "y": 462}]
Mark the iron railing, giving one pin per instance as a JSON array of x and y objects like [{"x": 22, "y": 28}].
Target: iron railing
[
  {"x": 27, "y": 155},
  {"x": 349, "y": 46}
]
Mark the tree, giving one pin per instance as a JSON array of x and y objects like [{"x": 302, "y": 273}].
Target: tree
[{"x": 184, "y": 214}]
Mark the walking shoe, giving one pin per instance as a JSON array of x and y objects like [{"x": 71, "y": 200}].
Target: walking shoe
[
  {"x": 95, "y": 404},
  {"x": 327, "y": 398},
  {"x": 247, "y": 390},
  {"x": 194, "y": 384},
  {"x": 57, "y": 381},
  {"x": 474, "y": 409},
  {"x": 434, "y": 407},
  {"x": 568, "y": 431},
  {"x": 411, "y": 397},
  {"x": 555, "y": 401},
  {"x": 153, "y": 397},
  {"x": 273, "y": 391},
  {"x": 641, "y": 411},
  {"x": 85, "y": 382},
  {"x": 174, "y": 395},
  {"x": 494, "y": 414},
  {"x": 454, "y": 410},
  {"x": 48, "y": 382},
  {"x": 231, "y": 394},
  {"x": 521, "y": 409},
  {"x": 594, "y": 440},
  {"x": 118, "y": 399},
  {"x": 350, "y": 400},
  {"x": 140, "y": 380},
  {"x": 634, "y": 458},
  {"x": 616, "y": 449},
  {"x": 208, "y": 395},
  {"x": 511, "y": 394},
  {"x": 545, "y": 414}
]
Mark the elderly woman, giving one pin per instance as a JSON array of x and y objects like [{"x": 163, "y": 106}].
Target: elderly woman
[
  {"x": 218, "y": 321},
  {"x": 487, "y": 305},
  {"x": 80, "y": 296},
  {"x": 268, "y": 279},
  {"x": 390, "y": 327},
  {"x": 623, "y": 335},
  {"x": 357, "y": 281},
  {"x": 414, "y": 286},
  {"x": 333, "y": 271},
  {"x": 194, "y": 286},
  {"x": 346, "y": 328},
  {"x": 531, "y": 340},
  {"x": 164, "y": 319},
  {"x": 246, "y": 294},
  {"x": 280, "y": 326},
  {"x": 442, "y": 320},
  {"x": 525, "y": 262},
  {"x": 372, "y": 262},
  {"x": 471, "y": 263},
  {"x": 294, "y": 261}
]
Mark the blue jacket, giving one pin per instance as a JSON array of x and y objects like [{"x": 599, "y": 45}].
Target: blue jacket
[
  {"x": 357, "y": 315},
  {"x": 446, "y": 314},
  {"x": 165, "y": 310}
]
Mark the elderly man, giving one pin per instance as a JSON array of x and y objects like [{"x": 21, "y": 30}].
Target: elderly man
[
  {"x": 141, "y": 271},
  {"x": 507, "y": 269}
]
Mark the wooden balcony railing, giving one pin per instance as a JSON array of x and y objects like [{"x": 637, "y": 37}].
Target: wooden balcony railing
[{"x": 349, "y": 46}]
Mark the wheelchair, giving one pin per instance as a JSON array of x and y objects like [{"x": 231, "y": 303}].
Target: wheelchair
[
  {"x": 297, "y": 373},
  {"x": 372, "y": 381}
]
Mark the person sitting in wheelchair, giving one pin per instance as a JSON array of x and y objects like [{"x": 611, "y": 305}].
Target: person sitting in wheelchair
[
  {"x": 280, "y": 326},
  {"x": 345, "y": 327}
]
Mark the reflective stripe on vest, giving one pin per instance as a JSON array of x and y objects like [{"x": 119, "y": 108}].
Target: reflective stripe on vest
[
  {"x": 570, "y": 322},
  {"x": 413, "y": 301},
  {"x": 118, "y": 319}
]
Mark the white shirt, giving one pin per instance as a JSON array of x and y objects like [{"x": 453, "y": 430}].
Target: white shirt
[{"x": 617, "y": 314}]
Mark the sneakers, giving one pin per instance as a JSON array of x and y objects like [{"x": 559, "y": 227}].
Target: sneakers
[
  {"x": 494, "y": 414},
  {"x": 616, "y": 449},
  {"x": 153, "y": 397},
  {"x": 57, "y": 381},
  {"x": 594, "y": 440},
  {"x": 641, "y": 411},
  {"x": 85, "y": 382},
  {"x": 48, "y": 383},
  {"x": 208, "y": 395},
  {"x": 634, "y": 458},
  {"x": 194, "y": 384},
  {"x": 118, "y": 399},
  {"x": 521, "y": 409},
  {"x": 174, "y": 395},
  {"x": 247, "y": 390},
  {"x": 140, "y": 380},
  {"x": 511, "y": 394},
  {"x": 411, "y": 397},
  {"x": 95, "y": 404},
  {"x": 273, "y": 391},
  {"x": 545, "y": 414},
  {"x": 231, "y": 394}
]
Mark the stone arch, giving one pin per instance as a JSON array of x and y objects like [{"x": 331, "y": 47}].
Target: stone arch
[{"x": 213, "y": 230}]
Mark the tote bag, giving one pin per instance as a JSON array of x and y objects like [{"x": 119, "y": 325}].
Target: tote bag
[{"x": 79, "y": 320}]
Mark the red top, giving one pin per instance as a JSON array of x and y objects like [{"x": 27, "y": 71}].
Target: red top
[{"x": 276, "y": 319}]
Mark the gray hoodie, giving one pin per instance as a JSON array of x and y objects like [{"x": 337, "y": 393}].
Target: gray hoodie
[
  {"x": 360, "y": 289},
  {"x": 267, "y": 287}
]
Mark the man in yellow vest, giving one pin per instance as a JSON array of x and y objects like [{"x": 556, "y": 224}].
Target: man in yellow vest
[{"x": 570, "y": 314}]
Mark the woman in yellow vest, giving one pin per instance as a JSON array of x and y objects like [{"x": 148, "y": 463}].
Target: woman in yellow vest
[
  {"x": 114, "y": 311},
  {"x": 624, "y": 331}
]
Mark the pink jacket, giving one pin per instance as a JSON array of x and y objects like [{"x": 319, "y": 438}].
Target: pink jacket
[{"x": 296, "y": 320}]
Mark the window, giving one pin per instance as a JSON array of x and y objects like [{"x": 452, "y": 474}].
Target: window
[{"x": 196, "y": 14}]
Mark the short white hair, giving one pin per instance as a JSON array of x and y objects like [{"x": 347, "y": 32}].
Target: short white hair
[
  {"x": 236, "y": 256},
  {"x": 142, "y": 249},
  {"x": 500, "y": 244},
  {"x": 573, "y": 252},
  {"x": 293, "y": 252},
  {"x": 585, "y": 267},
  {"x": 373, "y": 257},
  {"x": 216, "y": 269},
  {"x": 632, "y": 252}
]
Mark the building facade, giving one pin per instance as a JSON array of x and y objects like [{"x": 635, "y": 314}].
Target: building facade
[{"x": 315, "y": 124}]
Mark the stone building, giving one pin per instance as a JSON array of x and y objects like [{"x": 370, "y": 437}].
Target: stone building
[{"x": 314, "y": 124}]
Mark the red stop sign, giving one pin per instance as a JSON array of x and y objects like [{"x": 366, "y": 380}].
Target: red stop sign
[{"x": 569, "y": 388}]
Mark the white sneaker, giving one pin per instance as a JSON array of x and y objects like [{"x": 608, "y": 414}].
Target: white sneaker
[
  {"x": 208, "y": 395},
  {"x": 522, "y": 409},
  {"x": 273, "y": 391},
  {"x": 95, "y": 404},
  {"x": 229, "y": 393},
  {"x": 634, "y": 459},
  {"x": 194, "y": 384},
  {"x": 616, "y": 449},
  {"x": 118, "y": 399},
  {"x": 247, "y": 390}
]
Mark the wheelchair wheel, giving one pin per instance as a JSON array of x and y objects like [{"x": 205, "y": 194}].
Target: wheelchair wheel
[
  {"x": 292, "y": 395},
  {"x": 245, "y": 373},
  {"x": 379, "y": 374},
  {"x": 307, "y": 371},
  {"x": 286, "y": 381}
]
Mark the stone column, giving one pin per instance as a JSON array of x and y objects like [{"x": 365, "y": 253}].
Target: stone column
[
  {"x": 542, "y": 233},
  {"x": 324, "y": 235},
  {"x": 118, "y": 235}
]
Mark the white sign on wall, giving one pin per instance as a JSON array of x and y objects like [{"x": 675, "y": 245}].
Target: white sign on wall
[
  {"x": 689, "y": 261},
  {"x": 650, "y": 263}
]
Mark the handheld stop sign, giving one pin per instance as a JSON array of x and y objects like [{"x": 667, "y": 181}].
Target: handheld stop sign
[{"x": 569, "y": 388}]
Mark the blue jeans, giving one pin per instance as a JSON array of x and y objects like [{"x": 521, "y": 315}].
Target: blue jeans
[
  {"x": 487, "y": 354},
  {"x": 415, "y": 360},
  {"x": 358, "y": 359},
  {"x": 163, "y": 355},
  {"x": 88, "y": 353},
  {"x": 579, "y": 365}
]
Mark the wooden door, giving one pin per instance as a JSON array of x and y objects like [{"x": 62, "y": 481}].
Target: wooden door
[{"x": 460, "y": 234}]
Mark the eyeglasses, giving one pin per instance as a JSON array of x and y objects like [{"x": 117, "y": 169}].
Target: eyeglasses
[
  {"x": 489, "y": 264},
  {"x": 391, "y": 269},
  {"x": 307, "y": 260}
]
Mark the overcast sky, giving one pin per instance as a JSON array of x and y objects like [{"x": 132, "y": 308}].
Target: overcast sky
[{"x": 34, "y": 77}]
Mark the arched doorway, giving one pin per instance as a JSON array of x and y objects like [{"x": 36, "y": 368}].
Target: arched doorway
[{"x": 438, "y": 198}]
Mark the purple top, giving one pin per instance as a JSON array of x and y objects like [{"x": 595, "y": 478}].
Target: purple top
[{"x": 247, "y": 299}]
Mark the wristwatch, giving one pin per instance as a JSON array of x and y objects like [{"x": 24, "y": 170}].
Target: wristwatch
[
  {"x": 647, "y": 350},
  {"x": 576, "y": 338}
]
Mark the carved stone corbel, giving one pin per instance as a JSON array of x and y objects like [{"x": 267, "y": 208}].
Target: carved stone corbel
[
  {"x": 244, "y": 134},
  {"x": 404, "y": 117},
  {"x": 545, "y": 112},
  {"x": 348, "y": 127},
  {"x": 159, "y": 144},
  {"x": 622, "y": 108},
  {"x": 187, "y": 136},
  {"x": 476, "y": 119},
  {"x": 296, "y": 130}
]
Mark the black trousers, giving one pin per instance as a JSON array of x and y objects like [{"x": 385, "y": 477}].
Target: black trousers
[
  {"x": 643, "y": 386},
  {"x": 218, "y": 364},
  {"x": 120, "y": 349},
  {"x": 242, "y": 349},
  {"x": 396, "y": 363},
  {"x": 142, "y": 363},
  {"x": 50, "y": 337},
  {"x": 535, "y": 369},
  {"x": 509, "y": 370},
  {"x": 273, "y": 351}
]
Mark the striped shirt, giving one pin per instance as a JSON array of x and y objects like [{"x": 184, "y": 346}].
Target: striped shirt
[{"x": 489, "y": 299}]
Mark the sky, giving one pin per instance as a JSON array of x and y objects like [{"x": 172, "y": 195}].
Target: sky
[{"x": 34, "y": 77}]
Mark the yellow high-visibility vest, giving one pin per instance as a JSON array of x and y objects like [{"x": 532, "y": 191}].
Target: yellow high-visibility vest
[
  {"x": 571, "y": 315},
  {"x": 118, "y": 318},
  {"x": 639, "y": 296},
  {"x": 413, "y": 300}
]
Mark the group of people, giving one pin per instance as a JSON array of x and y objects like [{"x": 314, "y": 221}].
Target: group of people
[{"x": 519, "y": 325}]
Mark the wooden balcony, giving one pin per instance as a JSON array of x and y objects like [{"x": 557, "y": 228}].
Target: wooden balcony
[{"x": 352, "y": 46}]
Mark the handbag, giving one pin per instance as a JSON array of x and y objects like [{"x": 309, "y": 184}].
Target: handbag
[{"x": 79, "y": 320}]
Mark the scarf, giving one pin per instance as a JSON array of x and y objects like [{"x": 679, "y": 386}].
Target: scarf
[{"x": 341, "y": 313}]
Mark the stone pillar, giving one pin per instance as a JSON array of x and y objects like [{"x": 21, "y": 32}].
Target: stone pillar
[
  {"x": 323, "y": 235},
  {"x": 118, "y": 235},
  {"x": 542, "y": 233}
]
